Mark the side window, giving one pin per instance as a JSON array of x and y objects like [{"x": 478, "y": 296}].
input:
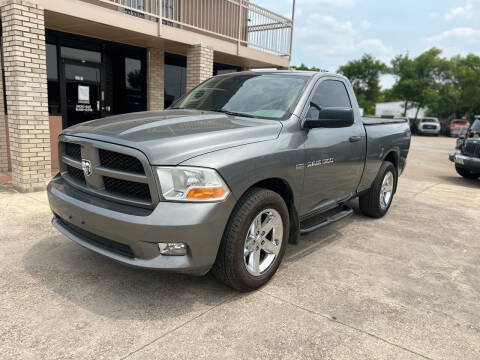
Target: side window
[{"x": 329, "y": 94}]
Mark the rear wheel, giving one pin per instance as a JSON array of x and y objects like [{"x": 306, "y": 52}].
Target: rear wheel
[
  {"x": 254, "y": 241},
  {"x": 376, "y": 202},
  {"x": 467, "y": 174}
]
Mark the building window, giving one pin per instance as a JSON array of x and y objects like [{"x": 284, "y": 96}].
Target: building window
[
  {"x": 53, "y": 81},
  {"x": 81, "y": 55},
  {"x": 133, "y": 74},
  {"x": 175, "y": 78},
  {"x": 134, "y": 85},
  {"x": 219, "y": 68}
]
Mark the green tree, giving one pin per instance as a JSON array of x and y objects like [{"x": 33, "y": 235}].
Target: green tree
[
  {"x": 305, "y": 68},
  {"x": 465, "y": 85},
  {"x": 364, "y": 74},
  {"x": 418, "y": 80},
  {"x": 458, "y": 90}
]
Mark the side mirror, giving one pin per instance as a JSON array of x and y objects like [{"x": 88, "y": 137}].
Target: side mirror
[
  {"x": 329, "y": 118},
  {"x": 460, "y": 142}
]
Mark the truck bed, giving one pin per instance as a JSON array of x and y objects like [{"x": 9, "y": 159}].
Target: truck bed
[
  {"x": 383, "y": 134},
  {"x": 371, "y": 120}
]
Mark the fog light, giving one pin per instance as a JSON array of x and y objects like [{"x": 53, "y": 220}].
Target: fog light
[{"x": 173, "y": 249}]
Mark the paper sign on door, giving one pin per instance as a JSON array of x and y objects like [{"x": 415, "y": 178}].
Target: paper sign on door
[{"x": 83, "y": 94}]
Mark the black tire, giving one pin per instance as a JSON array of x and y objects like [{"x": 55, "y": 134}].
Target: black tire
[
  {"x": 467, "y": 174},
  {"x": 229, "y": 266},
  {"x": 370, "y": 201}
]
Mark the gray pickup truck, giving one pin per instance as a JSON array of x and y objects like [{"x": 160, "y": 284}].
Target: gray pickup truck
[{"x": 227, "y": 176}]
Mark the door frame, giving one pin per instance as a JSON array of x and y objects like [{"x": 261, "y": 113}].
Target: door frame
[
  {"x": 63, "y": 85},
  {"x": 72, "y": 42}
]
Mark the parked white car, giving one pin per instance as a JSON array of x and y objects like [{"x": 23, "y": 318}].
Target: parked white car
[{"x": 429, "y": 126}]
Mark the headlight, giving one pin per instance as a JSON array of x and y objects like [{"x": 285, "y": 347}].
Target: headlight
[{"x": 191, "y": 184}]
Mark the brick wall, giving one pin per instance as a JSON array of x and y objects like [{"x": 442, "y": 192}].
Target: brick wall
[
  {"x": 155, "y": 79},
  {"x": 55, "y": 130},
  {"x": 3, "y": 130},
  {"x": 27, "y": 98},
  {"x": 199, "y": 65}
]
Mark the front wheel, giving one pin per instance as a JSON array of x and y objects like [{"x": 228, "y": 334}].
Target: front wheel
[
  {"x": 254, "y": 241},
  {"x": 376, "y": 202},
  {"x": 467, "y": 174}
]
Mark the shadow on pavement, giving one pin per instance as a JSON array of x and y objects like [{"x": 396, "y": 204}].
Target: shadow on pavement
[
  {"x": 460, "y": 181},
  {"x": 6, "y": 188},
  {"x": 110, "y": 289},
  {"x": 107, "y": 288}
]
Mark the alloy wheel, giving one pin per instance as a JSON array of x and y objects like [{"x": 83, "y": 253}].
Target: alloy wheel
[
  {"x": 263, "y": 241},
  {"x": 386, "y": 191}
]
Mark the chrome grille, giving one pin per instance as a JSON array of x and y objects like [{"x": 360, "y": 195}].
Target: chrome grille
[
  {"x": 472, "y": 148},
  {"x": 76, "y": 173},
  {"x": 73, "y": 150},
  {"x": 119, "y": 161},
  {"x": 117, "y": 173},
  {"x": 129, "y": 188}
]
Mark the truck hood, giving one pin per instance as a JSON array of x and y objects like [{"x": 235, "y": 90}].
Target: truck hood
[{"x": 170, "y": 137}]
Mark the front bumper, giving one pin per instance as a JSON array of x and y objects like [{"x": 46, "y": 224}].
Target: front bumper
[
  {"x": 466, "y": 162},
  {"x": 430, "y": 131},
  {"x": 458, "y": 131},
  {"x": 131, "y": 236}
]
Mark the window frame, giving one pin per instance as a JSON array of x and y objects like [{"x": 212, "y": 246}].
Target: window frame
[
  {"x": 346, "y": 92},
  {"x": 319, "y": 80}
]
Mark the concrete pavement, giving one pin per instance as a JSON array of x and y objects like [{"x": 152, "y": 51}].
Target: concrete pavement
[{"x": 403, "y": 287}]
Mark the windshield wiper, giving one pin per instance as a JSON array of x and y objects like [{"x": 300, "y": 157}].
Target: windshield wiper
[
  {"x": 232, "y": 113},
  {"x": 223, "y": 111}
]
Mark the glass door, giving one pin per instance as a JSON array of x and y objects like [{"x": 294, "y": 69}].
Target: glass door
[{"x": 82, "y": 90}]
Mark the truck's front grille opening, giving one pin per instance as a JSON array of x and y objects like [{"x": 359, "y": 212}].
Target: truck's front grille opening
[
  {"x": 116, "y": 176},
  {"x": 117, "y": 161},
  {"x": 101, "y": 242},
  {"x": 76, "y": 173},
  {"x": 128, "y": 188},
  {"x": 73, "y": 150},
  {"x": 472, "y": 149}
]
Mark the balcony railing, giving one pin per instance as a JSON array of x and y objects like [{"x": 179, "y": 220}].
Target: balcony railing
[{"x": 239, "y": 21}]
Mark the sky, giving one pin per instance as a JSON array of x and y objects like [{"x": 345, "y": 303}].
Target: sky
[{"x": 329, "y": 33}]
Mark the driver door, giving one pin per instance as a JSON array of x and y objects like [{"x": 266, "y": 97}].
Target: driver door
[{"x": 334, "y": 157}]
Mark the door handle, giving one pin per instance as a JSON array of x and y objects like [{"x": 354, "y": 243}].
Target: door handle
[{"x": 355, "y": 138}]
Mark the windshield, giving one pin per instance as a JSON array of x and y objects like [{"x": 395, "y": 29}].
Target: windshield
[
  {"x": 266, "y": 96},
  {"x": 429, "y": 120},
  {"x": 460, "y": 122},
  {"x": 476, "y": 126}
]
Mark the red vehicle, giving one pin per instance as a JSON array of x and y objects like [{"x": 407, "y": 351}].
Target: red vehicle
[{"x": 458, "y": 127}]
